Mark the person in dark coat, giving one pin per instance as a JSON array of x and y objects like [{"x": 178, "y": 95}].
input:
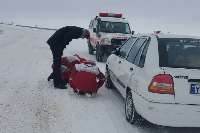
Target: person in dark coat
[{"x": 57, "y": 43}]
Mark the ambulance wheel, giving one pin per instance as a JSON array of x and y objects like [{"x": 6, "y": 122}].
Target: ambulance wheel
[
  {"x": 99, "y": 56},
  {"x": 90, "y": 48}
]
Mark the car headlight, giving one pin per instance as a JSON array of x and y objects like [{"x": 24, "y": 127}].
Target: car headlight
[{"x": 106, "y": 41}]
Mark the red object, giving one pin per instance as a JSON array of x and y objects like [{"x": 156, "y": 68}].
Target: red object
[
  {"x": 66, "y": 67},
  {"x": 163, "y": 78},
  {"x": 162, "y": 84},
  {"x": 80, "y": 58},
  {"x": 81, "y": 81},
  {"x": 86, "y": 82},
  {"x": 116, "y": 15},
  {"x": 69, "y": 65}
]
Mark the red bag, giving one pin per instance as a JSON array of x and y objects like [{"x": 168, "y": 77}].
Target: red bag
[
  {"x": 81, "y": 74},
  {"x": 86, "y": 78},
  {"x": 67, "y": 64}
]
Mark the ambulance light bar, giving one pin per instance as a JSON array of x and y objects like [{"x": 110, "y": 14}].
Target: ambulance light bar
[{"x": 116, "y": 15}]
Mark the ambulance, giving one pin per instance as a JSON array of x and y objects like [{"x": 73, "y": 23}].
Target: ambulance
[{"x": 108, "y": 31}]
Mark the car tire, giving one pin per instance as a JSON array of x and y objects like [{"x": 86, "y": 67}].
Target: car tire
[
  {"x": 108, "y": 82},
  {"x": 90, "y": 48},
  {"x": 99, "y": 56},
  {"x": 130, "y": 112}
]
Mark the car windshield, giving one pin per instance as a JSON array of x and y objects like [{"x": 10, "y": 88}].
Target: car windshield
[
  {"x": 114, "y": 27},
  {"x": 179, "y": 52}
]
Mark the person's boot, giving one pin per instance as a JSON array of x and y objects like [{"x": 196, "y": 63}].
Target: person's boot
[
  {"x": 51, "y": 76},
  {"x": 60, "y": 86},
  {"x": 58, "y": 83}
]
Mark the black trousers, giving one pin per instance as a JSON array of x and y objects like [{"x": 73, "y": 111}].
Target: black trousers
[{"x": 57, "y": 53}]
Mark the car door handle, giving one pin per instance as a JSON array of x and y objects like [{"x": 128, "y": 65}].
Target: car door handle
[
  {"x": 119, "y": 62},
  {"x": 131, "y": 69}
]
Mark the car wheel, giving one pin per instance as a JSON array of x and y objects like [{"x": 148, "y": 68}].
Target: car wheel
[
  {"x": 130, "y": 112},
  {"x": 108, "y": 82},
  {"x": 99, "y": 54},
  {"x": 90, "y": 48}
]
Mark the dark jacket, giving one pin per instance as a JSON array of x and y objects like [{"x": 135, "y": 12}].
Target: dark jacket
[{"x": 64, "y": 35}]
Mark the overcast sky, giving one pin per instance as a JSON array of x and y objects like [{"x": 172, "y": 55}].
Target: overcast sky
[{"x": 176, "y": 16}]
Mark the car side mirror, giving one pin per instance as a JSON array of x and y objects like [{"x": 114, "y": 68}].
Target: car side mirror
[
  {"x": 132, "y": 32},
  {"x": 95, "y": 30}
]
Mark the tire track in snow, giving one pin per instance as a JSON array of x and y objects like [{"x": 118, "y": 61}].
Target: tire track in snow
[{"x": 50, "y": 115}]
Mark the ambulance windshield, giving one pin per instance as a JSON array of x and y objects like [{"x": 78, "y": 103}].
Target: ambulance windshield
[{"x": 114, "y": 27}]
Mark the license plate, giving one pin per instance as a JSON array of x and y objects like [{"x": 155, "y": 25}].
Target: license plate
[{"x": 195, "y": 89}]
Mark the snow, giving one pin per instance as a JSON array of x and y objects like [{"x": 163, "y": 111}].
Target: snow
[
  {"x": 30, "y": 104},
  {"x": 87, "y": 68}
]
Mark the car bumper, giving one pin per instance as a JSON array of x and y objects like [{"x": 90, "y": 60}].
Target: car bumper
[{"x": 173, "y": 115}]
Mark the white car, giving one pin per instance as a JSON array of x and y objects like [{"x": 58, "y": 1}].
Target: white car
[{"x": 159, "y": 76}]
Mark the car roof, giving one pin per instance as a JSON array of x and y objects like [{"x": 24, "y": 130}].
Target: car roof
[
  {"x": 163, "y": 35},
  {"x": 177, "y": 36},
  {"x": 113, "y": 19}
]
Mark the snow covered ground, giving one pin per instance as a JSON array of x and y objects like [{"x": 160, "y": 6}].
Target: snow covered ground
[{"x": 30, "y": 104}]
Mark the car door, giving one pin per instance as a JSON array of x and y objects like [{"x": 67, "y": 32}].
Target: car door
[
  {"x": 115, "y": 60},
  {"x": 137, "y": 77},
  {"x": 120, "y": 66},
  {"x": 127, "y": 67}
]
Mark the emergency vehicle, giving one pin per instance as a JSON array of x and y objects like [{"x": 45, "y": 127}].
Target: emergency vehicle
[{"x": 107, "y": 32}]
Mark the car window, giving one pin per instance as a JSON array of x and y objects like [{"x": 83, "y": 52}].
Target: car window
[
  {"x": 124, "y": 49},
  {"x": 179, "y": 52},
  {"x": 114, "y": 27},
  {"x": 135, "y": 49},
  {"x": 128, "y": 30},
  {"x": 141, "y": 55}
]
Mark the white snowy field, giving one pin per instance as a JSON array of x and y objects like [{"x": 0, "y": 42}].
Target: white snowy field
[{"x": 30, "y": 104}]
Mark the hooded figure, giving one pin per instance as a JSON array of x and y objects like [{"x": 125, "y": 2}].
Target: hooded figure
[{"x": 57, "y": 43}]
